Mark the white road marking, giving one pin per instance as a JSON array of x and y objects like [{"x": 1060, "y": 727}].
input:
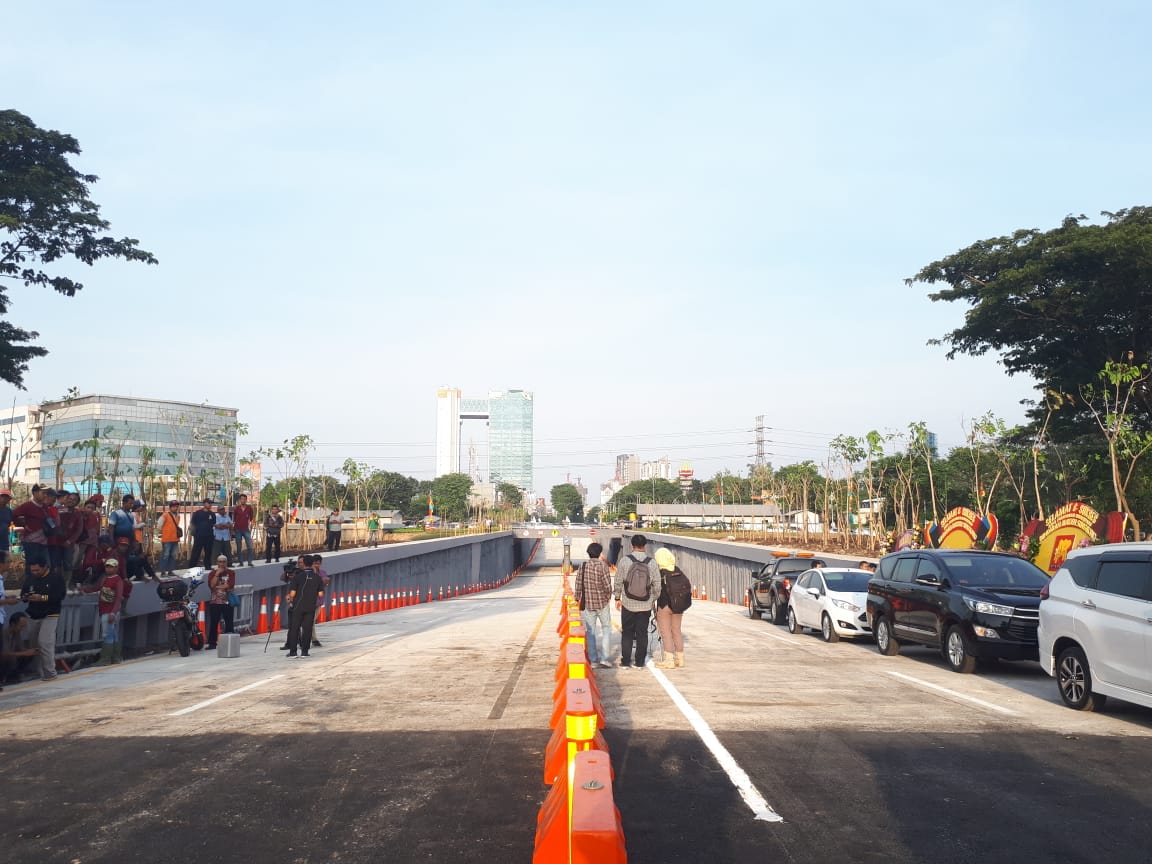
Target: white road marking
[
  {"x": 953, "y": 693},
  {"x": 738, "y": 776},
  {"x": 223, "y": 696}
]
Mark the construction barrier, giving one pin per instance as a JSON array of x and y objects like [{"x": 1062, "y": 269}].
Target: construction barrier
[{"x": 579, "y": 820}]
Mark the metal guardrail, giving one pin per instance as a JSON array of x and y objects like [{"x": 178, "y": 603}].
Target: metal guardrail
[
  {"x": 244, "y": 618},
  {"x": 79, "y": 632}
]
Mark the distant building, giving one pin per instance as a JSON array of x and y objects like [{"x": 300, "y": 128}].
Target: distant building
[
  {"x": 154, "y": 449},
  {"x": 510, "y": 433},
  {"x": 627, "y": 468},
  {"x": 20, "y": 444},
  {"x": 659, "y": 469}
]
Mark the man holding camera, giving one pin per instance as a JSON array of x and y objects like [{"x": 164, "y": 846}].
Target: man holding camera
[{"x": 304, "y": 593}]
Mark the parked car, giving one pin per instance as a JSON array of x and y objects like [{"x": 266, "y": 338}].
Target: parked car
[
  {"x": 772, "y": 584},
  {"x": 1096, "y": 626},
  {"x": 972, "y": 605},
  {"x": 833, "y": 600}
]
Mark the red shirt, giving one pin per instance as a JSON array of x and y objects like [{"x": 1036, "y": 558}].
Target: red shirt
[{"x": 242, "y": 517}]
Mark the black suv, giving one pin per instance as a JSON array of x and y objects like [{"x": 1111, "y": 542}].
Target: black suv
[
  {"x": 772, "y": 585},
  {"x": 971, "y": 605}
]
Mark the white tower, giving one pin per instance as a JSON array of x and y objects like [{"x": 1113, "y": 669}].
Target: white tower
[{"x": 447, "y": 431}]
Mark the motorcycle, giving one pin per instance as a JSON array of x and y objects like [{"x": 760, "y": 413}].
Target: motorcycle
[{"x": 180, "y": 610}]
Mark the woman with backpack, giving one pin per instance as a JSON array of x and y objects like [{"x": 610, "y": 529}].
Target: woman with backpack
[{"x": 675, "y": 597}]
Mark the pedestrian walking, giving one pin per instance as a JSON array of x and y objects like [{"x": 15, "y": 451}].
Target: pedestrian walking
[
  {"x": 636, "y": 586},
  {"x": 221, "y": 583},
  {"x": 593, "y": 590}
]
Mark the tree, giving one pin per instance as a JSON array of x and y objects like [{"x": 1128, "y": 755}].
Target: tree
[
  {"x": 1056, "y": 304},
  {"x": 1110, "y": 405},
  {"x": 45, "y": 216},
  {"x": 450, "y": 494},
  {"x": 567, "y": 503},
  {"x": 510, "y": 494}
]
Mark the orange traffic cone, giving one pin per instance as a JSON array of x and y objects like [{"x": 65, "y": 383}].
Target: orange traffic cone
[
  {"x": 704, "y": 592},
  {"x": 200, "y": 620},
  {"x": 723, "y": 594},
  {"x": 262, "y": 622},
  {"x": 441, "y": 597}
]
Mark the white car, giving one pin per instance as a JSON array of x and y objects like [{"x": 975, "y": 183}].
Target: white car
[
  {"x": 833, "y": 600},
  {"x": 1096, "y": 626}
]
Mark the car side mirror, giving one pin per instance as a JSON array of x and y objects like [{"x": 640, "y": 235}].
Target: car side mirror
[
  {"x": 815, "y": 592},
  {"x": 931, "y": 581}
]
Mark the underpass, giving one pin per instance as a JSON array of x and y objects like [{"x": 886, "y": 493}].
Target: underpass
[{"x": 418, "y": 734}]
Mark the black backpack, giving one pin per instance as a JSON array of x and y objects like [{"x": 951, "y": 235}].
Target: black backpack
[
  {"x": 636, "y": 580},
  {"x": 679, "y": 591}
]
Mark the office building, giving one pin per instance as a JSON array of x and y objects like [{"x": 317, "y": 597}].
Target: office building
[
  {"x": 154, "y": 449},
  {"x": 510, "y": 423},
  {"x": 20, "y": 445}
]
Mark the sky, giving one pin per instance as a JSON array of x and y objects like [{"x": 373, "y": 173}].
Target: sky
[{"x": 664, "y": 219}]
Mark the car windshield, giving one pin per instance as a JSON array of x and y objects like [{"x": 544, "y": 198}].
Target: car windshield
[
  {"x": 795, "y": 565},
  {"x": 994, "y": 571},
  {"x": 846, "y": 580}
]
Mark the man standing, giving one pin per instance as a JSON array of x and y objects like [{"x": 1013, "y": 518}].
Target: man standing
[
  {"x": 317, "y": 560},
  {"x": 71, "y": 527},
  {"x": 43, "y": 591},
  {"x": 335, "y": 529},
  {"x": 242, "y": 515},
  {"x": 304, "y": 593},
  {"x": 594, "y": 594},
  {"x": 373, "y": 530},
  {"x": 273, "y": 525},
  {"x": 222, "y": 532},
  {"x": 202, "y": 523},
  {"x": 122, "y": 522},
  {"x": 32, "y": 516},
  {"x": 5, "y": 524},
  {"x": 637, "y": 585},
  {"x": 170, "y": 534}
]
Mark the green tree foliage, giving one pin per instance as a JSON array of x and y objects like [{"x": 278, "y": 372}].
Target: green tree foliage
[
  {"x": 45, "y": 216},
  {"x": 1057, "y": 303},
  {"x": 510, "y": 494},
  {"x": 655, "y": 491},
  {"x": 567, "y": 503},
  {"x": 450, "y": 494}
]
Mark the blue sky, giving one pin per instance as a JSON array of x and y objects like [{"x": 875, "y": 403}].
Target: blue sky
[{"x": 663, "y": 218}]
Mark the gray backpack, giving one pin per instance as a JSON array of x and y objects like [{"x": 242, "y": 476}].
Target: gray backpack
[{"x": 636, "y": 579}]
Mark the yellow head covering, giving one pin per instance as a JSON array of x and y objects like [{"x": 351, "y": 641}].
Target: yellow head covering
[{"x": 665, "y": 560}]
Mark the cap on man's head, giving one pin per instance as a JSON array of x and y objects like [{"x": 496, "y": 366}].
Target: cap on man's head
[
  {"x": 5, "y": 493},
  {"x": 111, "y": 562},
  {"x": 139, "y": 505},
  {"x": 206, "y": 501},
  {"x": 123, "y": 541},
  {"x": 221, "y": 557},
  {"x": 173, "y": 503}
]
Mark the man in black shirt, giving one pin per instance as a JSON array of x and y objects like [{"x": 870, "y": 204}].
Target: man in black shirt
[
  {"x": 202, "y": 524},
  {"x": 304, "y": 593},
  {"x": 44, "y": 592}
]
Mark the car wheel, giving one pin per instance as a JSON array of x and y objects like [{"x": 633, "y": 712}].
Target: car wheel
[
  {"x": 793, "y": 624},
  {"x": 775, "y": 615},
  {"x": 958, "y": 651},
  {"x": 753, "y": 611},
  {"x": 827, "y": 630},
  {"x": 1075, "y": 681},
  {"x": 885, "y": 641}
]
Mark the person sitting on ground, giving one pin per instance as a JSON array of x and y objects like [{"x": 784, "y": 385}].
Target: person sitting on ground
[{"x": 15, "y": 655}]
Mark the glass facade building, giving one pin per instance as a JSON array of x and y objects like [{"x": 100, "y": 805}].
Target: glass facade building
[
  {"x": 154, "y": 449},
  {"x": 510, "y": 438}
]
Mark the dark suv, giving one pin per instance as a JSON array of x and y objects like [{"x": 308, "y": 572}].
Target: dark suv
[
  {"x": 971, "y": 605},
  {"x": 772, "y": 585}
]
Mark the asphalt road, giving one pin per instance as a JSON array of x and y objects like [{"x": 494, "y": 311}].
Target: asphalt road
[{"x": 419, "y": 734}]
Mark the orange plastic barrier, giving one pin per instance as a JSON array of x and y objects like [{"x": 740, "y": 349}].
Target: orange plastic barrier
[
  {"x": 579, "y": 822},
  {"x": 578, "y": 731}
]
